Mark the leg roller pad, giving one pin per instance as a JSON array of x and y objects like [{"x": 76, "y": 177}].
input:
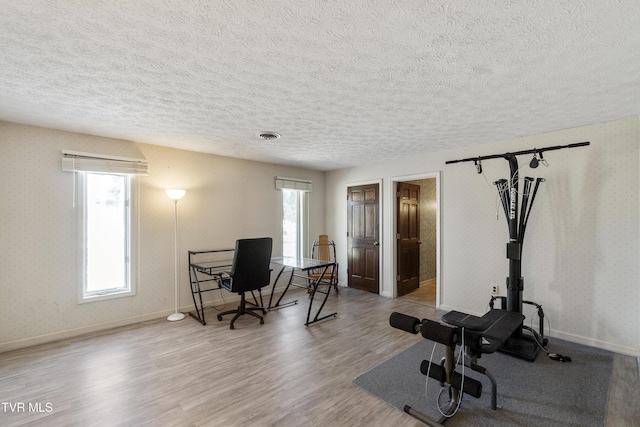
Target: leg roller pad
[
  {"x": 436, "y": 372},
  {"x": 405, "y": 323},
  {"x": 439, "y": 332},
  {"x": 472, "y": 386}
]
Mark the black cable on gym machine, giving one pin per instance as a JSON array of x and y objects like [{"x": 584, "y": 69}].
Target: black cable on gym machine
[{"x": 519, "y": 344}]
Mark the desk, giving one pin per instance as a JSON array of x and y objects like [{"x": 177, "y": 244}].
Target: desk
[
  {"x": 210, "y": 264},
  {"x": 304, "y": 265}
]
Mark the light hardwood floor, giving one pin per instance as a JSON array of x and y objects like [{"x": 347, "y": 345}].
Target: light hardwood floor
[
  {"x": 282, "y": 373},
  {"x": 425, "y": 294}
]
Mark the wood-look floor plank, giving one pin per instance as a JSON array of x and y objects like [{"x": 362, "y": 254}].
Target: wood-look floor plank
[{"x": 282, "y": 373}]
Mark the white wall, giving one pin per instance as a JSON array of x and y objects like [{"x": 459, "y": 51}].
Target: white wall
[
  {"x": 226, "y": 199},
  {"x": 580, "y": 254},
  {"x": 581, "y": 250}
]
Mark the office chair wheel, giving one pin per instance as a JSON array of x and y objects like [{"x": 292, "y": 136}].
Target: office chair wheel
[
  {"x": 231, "y": 326},
  {"x": 262, "y": 321},
  {"x": 219, "y": 318}
]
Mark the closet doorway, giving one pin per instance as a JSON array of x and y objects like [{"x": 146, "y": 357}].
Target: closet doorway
[{"x": 417, "y": 239}]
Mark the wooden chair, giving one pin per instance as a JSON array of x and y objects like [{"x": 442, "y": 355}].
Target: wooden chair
[{"x": 325, "y": 250}]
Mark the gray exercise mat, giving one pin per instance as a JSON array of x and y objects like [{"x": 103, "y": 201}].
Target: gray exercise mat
[{"x": 540, "y": 393}]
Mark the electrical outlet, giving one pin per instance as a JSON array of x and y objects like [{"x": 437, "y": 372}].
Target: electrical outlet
[{"x": 495, "y": 290}]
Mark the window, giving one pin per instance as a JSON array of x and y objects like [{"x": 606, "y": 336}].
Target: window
[
  {"x": 105, "y": 225},
  {"x": 103, "y": 186},
  {"x": 292, "y": 222},
  {"x": 295, "y": 214}
]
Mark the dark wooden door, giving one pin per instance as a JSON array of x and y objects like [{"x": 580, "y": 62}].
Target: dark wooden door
[
  {"x": 408, "y": 237},
  {"x": 363, "y": 243}
]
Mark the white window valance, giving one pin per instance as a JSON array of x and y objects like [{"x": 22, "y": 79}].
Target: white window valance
[
  {"x": 73, "y": 161},
  {"x": 294, "y": 184}
]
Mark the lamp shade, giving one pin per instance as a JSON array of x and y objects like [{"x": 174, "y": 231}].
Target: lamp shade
[{"x": 174, "y": 194}]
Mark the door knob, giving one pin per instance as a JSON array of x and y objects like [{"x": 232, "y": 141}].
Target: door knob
[
  {"x": 376, "y": 244},
  {"x": 419, "y": 242}
]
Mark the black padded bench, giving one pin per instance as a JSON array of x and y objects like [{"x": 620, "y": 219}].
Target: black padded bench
[{"x": 496, "y": 326}]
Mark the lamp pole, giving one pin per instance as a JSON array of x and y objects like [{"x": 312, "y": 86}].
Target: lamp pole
[{"x": 175, "y": 195}]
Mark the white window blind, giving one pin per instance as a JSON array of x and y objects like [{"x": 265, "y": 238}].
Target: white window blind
[
  {"x": 294, "y": 184},
  {"x": 86, "y": 162}
]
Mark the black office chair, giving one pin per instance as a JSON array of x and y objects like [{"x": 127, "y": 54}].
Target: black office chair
[{"x": 250, "y": 271}]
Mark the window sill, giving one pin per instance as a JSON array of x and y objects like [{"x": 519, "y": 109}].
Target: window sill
[{"x": 106, "y": 296}]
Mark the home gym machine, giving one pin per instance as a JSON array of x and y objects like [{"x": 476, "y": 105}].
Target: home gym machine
[{"x": 517, "y": 211}]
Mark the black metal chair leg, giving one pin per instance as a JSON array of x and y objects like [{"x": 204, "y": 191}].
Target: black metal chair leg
[{"x": 241, "y": 310}]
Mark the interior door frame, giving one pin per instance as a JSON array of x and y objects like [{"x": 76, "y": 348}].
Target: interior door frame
[
  {"x": 381, "y": 250},
  {"x": 390, "y": 232}
]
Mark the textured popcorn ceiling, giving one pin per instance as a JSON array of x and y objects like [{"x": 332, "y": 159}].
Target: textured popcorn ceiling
[{"x": 344, "y": 83}]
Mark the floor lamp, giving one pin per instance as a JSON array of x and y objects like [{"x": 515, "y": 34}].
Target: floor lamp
[{"x": 175, "y": 195}]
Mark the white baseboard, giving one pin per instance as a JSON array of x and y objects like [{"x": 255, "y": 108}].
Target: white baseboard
[
  {"x": 616, "y": 348},
  {"x": 70, "y": 333},
  {"x": 233, "y": 298}
]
